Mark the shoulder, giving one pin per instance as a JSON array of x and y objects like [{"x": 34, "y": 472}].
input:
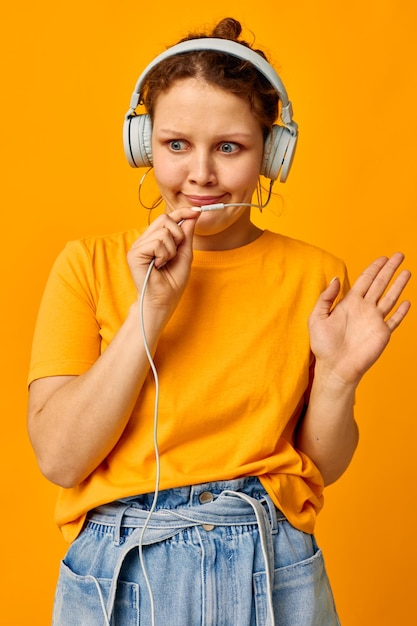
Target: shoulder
[
  {"x": 86, "y": 264},
  {"x": 305, "y": 264},
  {"x": 104, "y": 244},
  {"x": 299, "y": 251},
  {"x": 96, "y": 250}
]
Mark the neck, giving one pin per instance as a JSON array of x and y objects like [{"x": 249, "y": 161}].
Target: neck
[{"x": 227, "y": 239}]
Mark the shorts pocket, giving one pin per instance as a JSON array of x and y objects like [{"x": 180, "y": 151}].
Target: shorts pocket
[
  {"x": 81, "y": 601},
  {"x": 301, "y": 595}
]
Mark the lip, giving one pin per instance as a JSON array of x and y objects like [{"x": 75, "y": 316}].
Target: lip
[{"x": 203, "y": 200}]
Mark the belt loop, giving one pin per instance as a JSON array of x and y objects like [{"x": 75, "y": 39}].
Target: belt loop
[
  {"x": 272, "y": 514},
  {"x": 117, "y": 539},
  {"x": 194, "y": 491}
]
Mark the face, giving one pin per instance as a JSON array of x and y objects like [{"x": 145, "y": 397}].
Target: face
[{"x": 207, "y": 148}]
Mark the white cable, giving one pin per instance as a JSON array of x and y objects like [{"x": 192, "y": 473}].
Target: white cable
[
  {"x": 211, "y": 207},
  {"x": 157, "y": 459},
  {"x": 220, "y": 205},
  {"x": 100, "y": 595},
  {"x": 155, "y": 442}
]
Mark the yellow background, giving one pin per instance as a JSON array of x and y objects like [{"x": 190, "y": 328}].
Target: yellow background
[{"x": 68, "y": 72}]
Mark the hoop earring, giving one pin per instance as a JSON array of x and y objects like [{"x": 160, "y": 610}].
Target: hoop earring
[
  {"x": 260, "y": 189},
  {"x": 156, "y": 203},
  {"x": 259, "y": 194}
]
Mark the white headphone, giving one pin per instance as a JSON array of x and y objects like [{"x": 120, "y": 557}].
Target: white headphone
[{"x": 280, "y": 144}]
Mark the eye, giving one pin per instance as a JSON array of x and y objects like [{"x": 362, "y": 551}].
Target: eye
[
  {"x": 176, "y": 145},
  {"x": 228, "y": 147}
]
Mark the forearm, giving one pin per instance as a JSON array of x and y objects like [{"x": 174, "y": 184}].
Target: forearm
[
  {"x": 346, "y": 340},
  {"x": 73, "y": 426},
  {"x": 328, "y": 433}
]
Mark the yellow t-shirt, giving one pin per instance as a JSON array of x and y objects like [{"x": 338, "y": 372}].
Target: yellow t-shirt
[{"x": 233, "y": 366}]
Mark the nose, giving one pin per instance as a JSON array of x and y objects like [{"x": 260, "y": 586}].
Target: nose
[{"x": 202, "y": 170}]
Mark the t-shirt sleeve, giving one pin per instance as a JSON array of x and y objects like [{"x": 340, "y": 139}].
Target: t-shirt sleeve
[{"x": 67, "y": 334}]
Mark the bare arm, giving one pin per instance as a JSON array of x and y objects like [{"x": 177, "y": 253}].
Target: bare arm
[
  {"x": 346, "y": 341},
  {"x": 75, "y": 421}
]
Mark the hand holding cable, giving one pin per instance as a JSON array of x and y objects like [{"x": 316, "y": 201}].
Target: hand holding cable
[{"x": 167, "y": 245}]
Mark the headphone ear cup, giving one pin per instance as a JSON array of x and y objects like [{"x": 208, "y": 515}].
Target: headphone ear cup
[
  {"x": 279, "y": 150},
  {"x": 137, "y": 140}
]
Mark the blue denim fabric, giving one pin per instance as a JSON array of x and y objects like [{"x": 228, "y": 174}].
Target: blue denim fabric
[{"x": 216, "y": 554}]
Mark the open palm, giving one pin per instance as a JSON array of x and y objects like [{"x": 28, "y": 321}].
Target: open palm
[{"x": 349, "y": 338}]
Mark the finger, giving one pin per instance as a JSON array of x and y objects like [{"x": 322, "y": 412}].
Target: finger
[
  {"x": 159, "y": 245},
  {"x": 390, "y": 298},
  {"x": 164, "y": 250},
  {"x": 174, "y": 240},
  {"x": 375, "y": 278},
  {"x": 178, "y": 216},
  {"x": 383, "y": 278},
  {"x": 365, "y": 280},
  {"x": 397, "y": 317},
  {"x": 172, "y": 221},
  {"x": 161, "y": 229},
  {"x": 167, "y": 227},
  {"x": 326, "y": 299}
]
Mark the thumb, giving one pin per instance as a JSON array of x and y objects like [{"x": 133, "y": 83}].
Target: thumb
[{"x": 327, "y": 299}]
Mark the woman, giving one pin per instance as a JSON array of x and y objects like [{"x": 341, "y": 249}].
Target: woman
[{"x": 192, "y": 387}]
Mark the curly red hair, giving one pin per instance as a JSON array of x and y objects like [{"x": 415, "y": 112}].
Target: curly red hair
[{"x": 219, "y": 69}]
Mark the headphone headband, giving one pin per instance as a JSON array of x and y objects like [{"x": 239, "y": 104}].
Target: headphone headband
[
  {"x": 228, "y": 47},
  {"x": 279, "y": 145}
]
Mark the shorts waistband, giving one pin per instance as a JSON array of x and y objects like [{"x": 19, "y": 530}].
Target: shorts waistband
[
  {"x": 180, "y": 508},
  {"x": 229, "y": 507}
]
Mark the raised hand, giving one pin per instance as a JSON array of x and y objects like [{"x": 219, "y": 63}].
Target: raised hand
[{"x": 349, "y": 338}]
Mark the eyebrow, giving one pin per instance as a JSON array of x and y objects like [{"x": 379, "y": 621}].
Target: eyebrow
[{"x": 227, "y": 134}]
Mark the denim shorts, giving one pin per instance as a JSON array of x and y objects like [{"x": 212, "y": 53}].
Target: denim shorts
[{"x": 215, "y": 554}]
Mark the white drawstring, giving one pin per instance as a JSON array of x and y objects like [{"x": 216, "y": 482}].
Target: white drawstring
[
  {"x": 188, "y": 519},
  {"x": 263, "y": 524},
  {"x": 203, "y": 595}
]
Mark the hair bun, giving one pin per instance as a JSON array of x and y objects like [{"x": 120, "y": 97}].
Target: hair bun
[{"x": 228, "y": 28}]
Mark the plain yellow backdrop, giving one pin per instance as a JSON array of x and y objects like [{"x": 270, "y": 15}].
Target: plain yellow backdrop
[{"x": 68, "y": 72}]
